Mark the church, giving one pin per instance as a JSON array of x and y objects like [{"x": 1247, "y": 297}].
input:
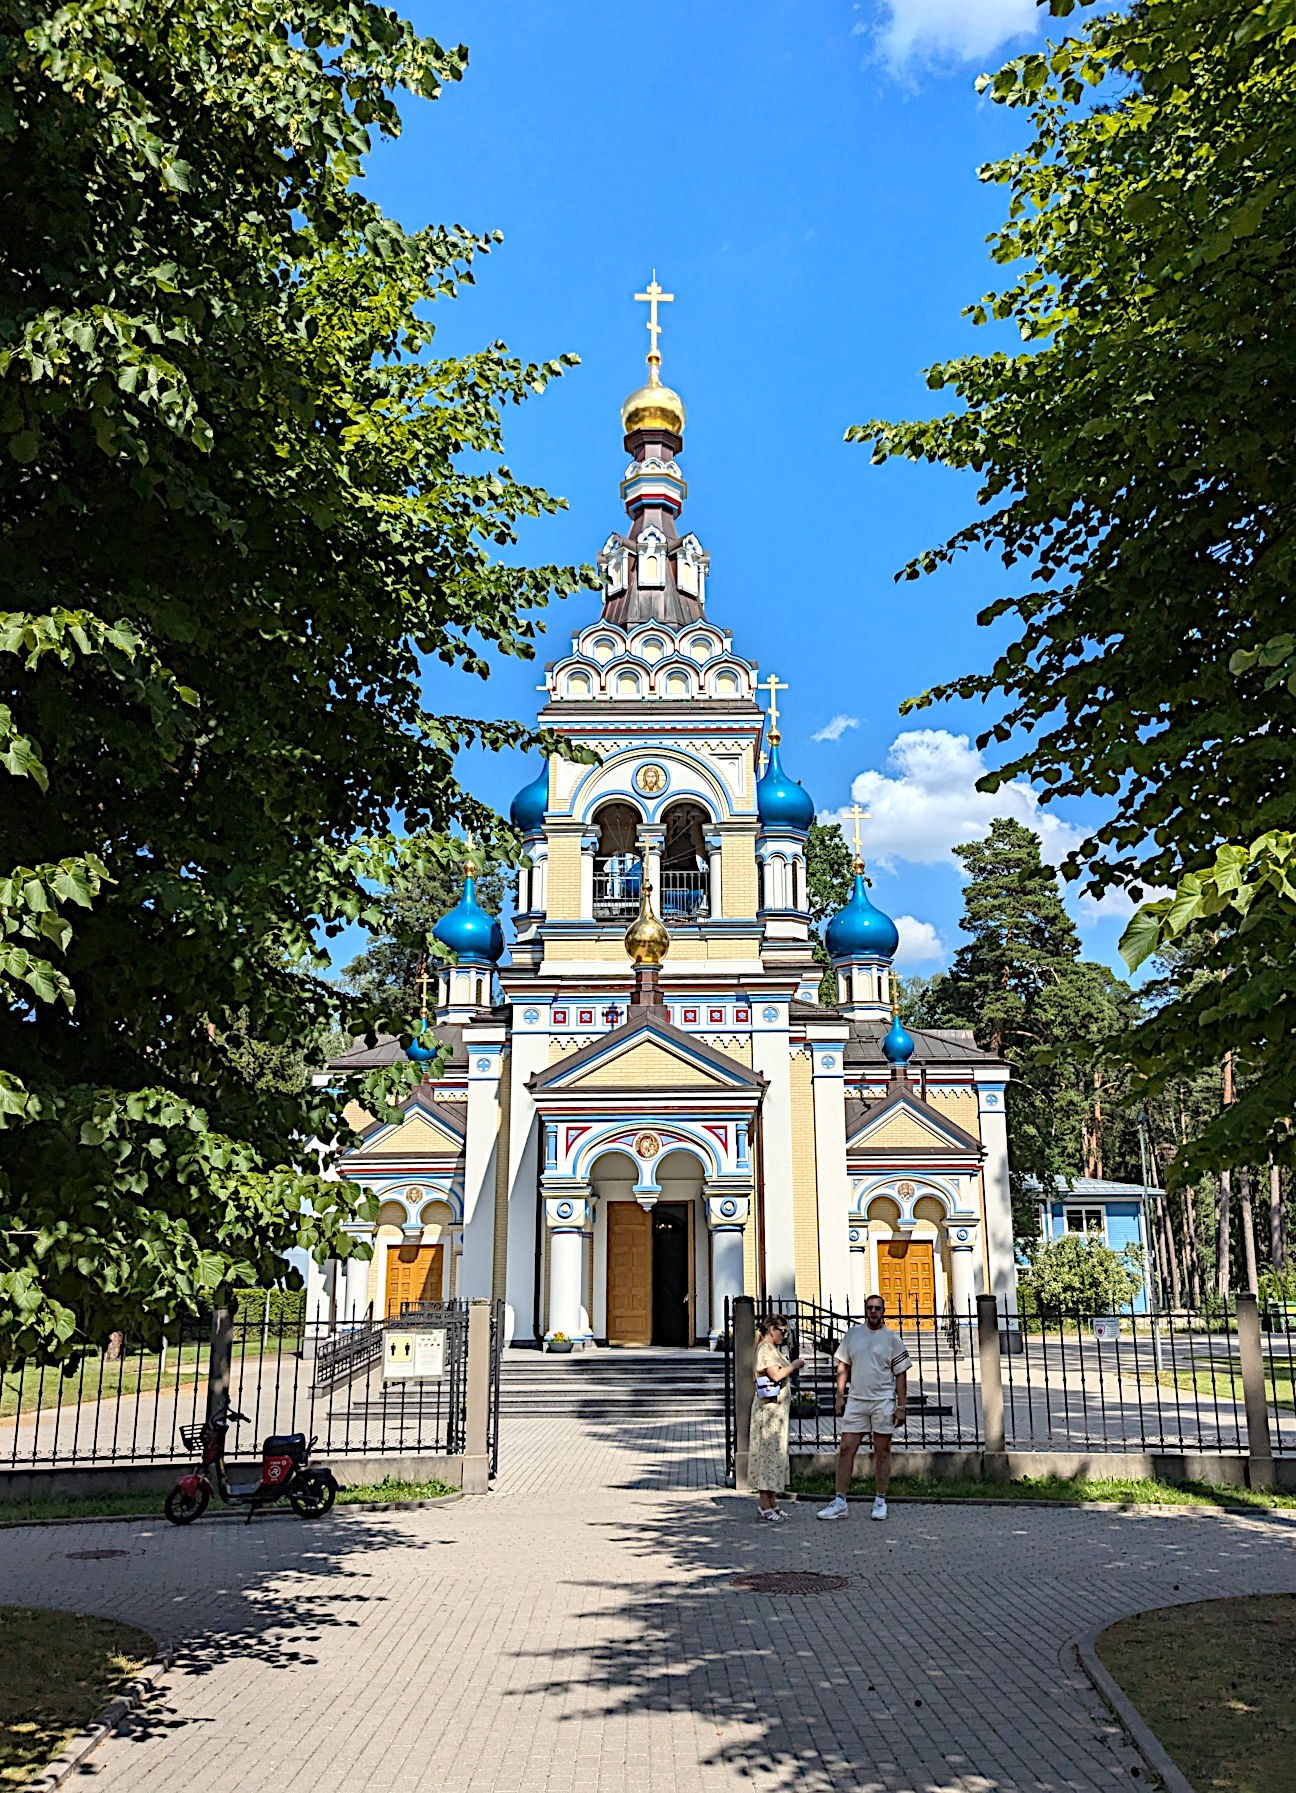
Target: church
[{"x": 645, "y": 1109}]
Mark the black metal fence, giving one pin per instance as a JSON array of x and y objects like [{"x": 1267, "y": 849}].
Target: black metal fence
[
  {"x": 1163, "y": 1384},
  {"x": 395, "y": 1388}
]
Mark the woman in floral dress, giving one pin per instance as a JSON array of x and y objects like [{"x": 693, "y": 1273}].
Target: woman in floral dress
[{"x": 767, "y": 1463}]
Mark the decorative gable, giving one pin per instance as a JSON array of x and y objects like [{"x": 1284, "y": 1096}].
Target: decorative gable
[
  {"x": 904, "y": 1122},
  {"x": 424, "y": 1132}
]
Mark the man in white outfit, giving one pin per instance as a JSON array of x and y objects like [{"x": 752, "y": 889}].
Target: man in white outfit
[{"x": 872, "y": 1389}]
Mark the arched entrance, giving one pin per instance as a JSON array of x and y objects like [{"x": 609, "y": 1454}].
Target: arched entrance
[{"x": 651, "y": 1269}]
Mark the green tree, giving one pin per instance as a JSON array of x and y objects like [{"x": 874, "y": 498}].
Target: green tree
[
  {"x": 830, "y": 878},
  {"x": 1134, "y": 461},
  {"x": 1021, "y": 986},
  {"x": 239, "y": 499},
  {"x": 388, "y": 969},
  {"x": 1079, "y": 1274}
]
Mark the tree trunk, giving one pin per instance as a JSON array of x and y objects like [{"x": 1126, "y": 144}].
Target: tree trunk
[
  {"x": 1171, "y": 1254},
  {"x": 1248, "y": 1231},
  {"x": 1223, "y": 1202},
  {"x": 1277, "y": 1222},
  {"x": 1192, "y": 1251}
]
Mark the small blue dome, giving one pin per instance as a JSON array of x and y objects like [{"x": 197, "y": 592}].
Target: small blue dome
[
  {"x": 898, "y": 1046},
  {"x": 416, "y": 1050},
  {"x": 861, "y": 927},
  {"x": 527, "y": 810},
  {"x": 473, "y": 936},
  {"x": 780, "y": 800}
]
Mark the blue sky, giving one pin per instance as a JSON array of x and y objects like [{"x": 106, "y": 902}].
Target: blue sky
[{"x": 803, "y": 177}]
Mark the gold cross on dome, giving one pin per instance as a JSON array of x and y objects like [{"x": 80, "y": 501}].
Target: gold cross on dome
[
  {"x": 858, "y": 815},
  {"x": 422, "y": 981},
  {"x": 773, "y": 685},
  {"x": 652, "y": 299},
  {"x": 469, "y": 863}
]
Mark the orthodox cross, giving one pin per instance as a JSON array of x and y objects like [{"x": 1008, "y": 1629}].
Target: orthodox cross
[
  {"x": 773, "y": 685},
  {"x": 422, "y": 981},
  {"x": 469, "y": 864},
  {"x": 652, "y": 299},
  {"x": 858, "y": 815}
]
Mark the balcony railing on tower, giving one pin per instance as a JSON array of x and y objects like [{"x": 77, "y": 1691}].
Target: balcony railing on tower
[{"x": 618, "y": 885}]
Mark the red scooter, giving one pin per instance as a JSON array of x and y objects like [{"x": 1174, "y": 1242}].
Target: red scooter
[{"x": 286, "y": 1469}]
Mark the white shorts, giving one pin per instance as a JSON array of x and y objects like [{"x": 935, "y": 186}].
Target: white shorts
[{"x": 869, "y": 1416}]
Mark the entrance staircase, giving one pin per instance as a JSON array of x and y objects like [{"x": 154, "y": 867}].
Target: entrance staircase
[{"x": 614, "y": 1384}]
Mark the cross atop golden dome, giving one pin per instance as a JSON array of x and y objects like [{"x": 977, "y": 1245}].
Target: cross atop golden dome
[{"x": 654, "y": 406}]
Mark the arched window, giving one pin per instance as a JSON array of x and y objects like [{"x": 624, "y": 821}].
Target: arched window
[
  {"x": 685, "y": 863},
  {"x": 618, "y": 874}
]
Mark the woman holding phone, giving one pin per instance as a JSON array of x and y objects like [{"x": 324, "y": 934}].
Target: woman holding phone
[{"x": 767, "y": 1463}]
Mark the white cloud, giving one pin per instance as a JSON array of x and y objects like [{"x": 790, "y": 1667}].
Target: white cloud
[
  {"x": 920, "y": 944},
  {"x": 834, "y": 730},
  {"x": 913, "y": 31}
]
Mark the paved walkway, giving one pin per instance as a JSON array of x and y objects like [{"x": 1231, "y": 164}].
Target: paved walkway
[{"x": 578, "y": 1631}]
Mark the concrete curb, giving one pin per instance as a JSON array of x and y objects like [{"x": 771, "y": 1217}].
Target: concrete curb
[
  {"x": 1152, "y": 1752},
  {"x": 86, "y": 1742},
  {"x": 239, "y": 1514},
  {"x": 1285, "y": 1514}
]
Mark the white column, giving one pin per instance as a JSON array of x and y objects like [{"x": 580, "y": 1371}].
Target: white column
[
  {"x": 356, "y": 1301},
  {"x": 530, "y": 1053},
  {"x": 962, "y": 1247},
  {"x": 485, "y": 1049},
  {"x": 726, "y": 1216},
  {"x": 539, "y": 877},
  {"x": 858, "y": 1270},
  {"x": 567, "y": 1216},
  {"x": 770, "y": 1058},
  {"x": 589, "y": 845},
  {"x": 1001, "y": 1268},
  {"x": 715, "y": 893},
  {"x": 832, "y": 1181}
]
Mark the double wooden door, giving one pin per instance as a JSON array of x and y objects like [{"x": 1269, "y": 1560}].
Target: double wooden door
[
  {"x": 413, "y": 1274},
  {"x": 907, "y": 1281},
  {"x": 649, "y": 1285}
]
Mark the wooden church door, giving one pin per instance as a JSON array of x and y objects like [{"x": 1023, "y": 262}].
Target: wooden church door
[
  {"x": 907, "y": 1281},
  {"x": 413, "y": 1274}
]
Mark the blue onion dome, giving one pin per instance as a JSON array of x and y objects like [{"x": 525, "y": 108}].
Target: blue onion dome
[
  {"x": 473, "y": 936},
  {"x": 527, "y": 811},
  {"x": 420, "y": 1053},
  {"x": 861, "y": 927},
  {"x": 898, "y": 1046},
  {"x": 780, "y": 800}
]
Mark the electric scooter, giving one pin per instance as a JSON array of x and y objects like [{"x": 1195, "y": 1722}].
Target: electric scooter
[{"x": 286, "y": 1469}]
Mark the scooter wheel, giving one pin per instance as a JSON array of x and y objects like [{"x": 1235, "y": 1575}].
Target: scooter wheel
[
  {"x": 314, "y": 1495},
  {"x": 182, "y": 1509}
]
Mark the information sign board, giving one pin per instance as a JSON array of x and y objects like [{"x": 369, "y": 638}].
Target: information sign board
[{"x": 414, "y": 1356}]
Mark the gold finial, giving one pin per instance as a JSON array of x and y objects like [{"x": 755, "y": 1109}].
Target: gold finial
[
  {"x": 646, "y": 940},
  {"x": 859, "y": 815},
  {"x": 470, "y": 864},
  {"x": 773, "y": 686},
  {"x": 422, "y": 981},
  {"x": 653, "y": 298}
]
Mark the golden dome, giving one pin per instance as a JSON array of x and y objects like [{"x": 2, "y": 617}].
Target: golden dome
[
  {"x": 653, "y": 407},
  {"x": 646, "y": 940}
]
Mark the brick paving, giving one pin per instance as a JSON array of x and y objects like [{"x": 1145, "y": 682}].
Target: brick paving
[{"x": 578, "y": 1630}]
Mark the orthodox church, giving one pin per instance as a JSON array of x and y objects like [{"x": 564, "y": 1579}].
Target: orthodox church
[{"x": 645, "y": 1109}]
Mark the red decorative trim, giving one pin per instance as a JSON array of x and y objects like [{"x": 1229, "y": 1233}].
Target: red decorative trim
[
  {"x": 715, "y": 1014},
  {"x": 720, "y": 1133},
  {"x": 690, "y": 1014},
  {"x": 744, "y": 1015},
  {"x": 560, "y": 1017},
  {"x": 573, "y": 1134},
  {"x": 586, "y": 1017}
]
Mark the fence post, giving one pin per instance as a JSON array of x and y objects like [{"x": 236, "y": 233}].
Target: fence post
[
  {"x": 1260, "y": 1464},
  {"x": 476, "y": 1462},
  {"x": 220, "y": 1357},
  {"x": 744, "y": 1370},
  {"x": 995, "y": 1457}
]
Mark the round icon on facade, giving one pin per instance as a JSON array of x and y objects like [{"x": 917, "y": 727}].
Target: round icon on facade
[
  {"x": 647, "y": 1145},
  {"x": 650, "y": 780}
]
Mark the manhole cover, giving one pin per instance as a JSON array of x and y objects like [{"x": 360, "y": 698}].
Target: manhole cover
[
  {"x": 790, "y": 1581},
  {"x": 92, "y": 1556}
]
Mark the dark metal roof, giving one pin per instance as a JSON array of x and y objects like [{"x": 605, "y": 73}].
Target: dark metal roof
[
  {"x": 387, "y": 1051},
  {"x": 932, "y": 1045}
]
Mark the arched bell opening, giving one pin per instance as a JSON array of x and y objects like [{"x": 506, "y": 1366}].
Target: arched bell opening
[
  {"x": 618, "y": 869},
  {"x": 685, "y": 863}
]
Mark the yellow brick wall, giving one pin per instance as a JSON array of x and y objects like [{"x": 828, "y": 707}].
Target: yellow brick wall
[
  {"x": 738, "y": 875},
  {"x": 684, "y": 949},
  {"x": 563, "y": 900},
  {"x": 749, "y": 1256},
  {"x": 959, "y": 1106},
  {"x": 650, "y": 1068},
  {"x": 904, "y": 1130},
  {"x": 562, "y": 1049},
  {"x": 500, "y": 1258},
  {"x": 805, "y": 1193}
]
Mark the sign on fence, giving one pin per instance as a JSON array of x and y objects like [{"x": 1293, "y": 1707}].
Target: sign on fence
[
  {"x": 1107, "y": 1328},
  {"x": 414, "y": 1356}
]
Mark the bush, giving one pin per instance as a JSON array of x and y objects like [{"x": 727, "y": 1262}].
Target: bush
[{"x": 1078, "y": 1274}]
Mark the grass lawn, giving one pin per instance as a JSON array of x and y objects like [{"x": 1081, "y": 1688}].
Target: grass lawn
[
  {"x": 127, "y": 1376},
  {"x": 102, "y": 1506},
  {"x": 58, "y": 1671},
  {"x": 1216, "y": 1682},
  {"x": 1107, "y": 1488},
  {"x": 1222, "y": 1377}
]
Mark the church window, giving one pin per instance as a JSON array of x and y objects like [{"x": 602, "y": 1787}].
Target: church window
[
  {"x": 727, "y": 685},
  {"x": 686, "y": 575},
  {"x": 685, "y": 863},
  {"x": 677, "y": 684},
  {"x": 627, "y": 684},
  {"x": 618, "y": 871},
  {"x": 578, "y": 684},
  {"x": 652, "y": 649},
  {"x": 603, "y": 648}
]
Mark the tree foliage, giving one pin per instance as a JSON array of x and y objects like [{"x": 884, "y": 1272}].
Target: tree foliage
[
  {"x": 830, "y": 878},
  {"x": 1135, "y": 464},
  {"x": 1079, "y": 1274},
  {"x": 239, "y": 498}
]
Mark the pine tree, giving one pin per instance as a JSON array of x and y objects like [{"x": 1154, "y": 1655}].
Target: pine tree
[{"x": 388, "y": 969}]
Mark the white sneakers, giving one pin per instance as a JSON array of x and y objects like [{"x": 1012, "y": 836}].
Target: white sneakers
[{"x": 838, "y": 1509}]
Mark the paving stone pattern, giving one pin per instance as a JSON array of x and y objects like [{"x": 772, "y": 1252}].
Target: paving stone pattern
[{"x": 578, "y": 1631}]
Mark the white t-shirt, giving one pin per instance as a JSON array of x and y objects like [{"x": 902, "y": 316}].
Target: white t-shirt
[{"x": 875, "y": 1360}]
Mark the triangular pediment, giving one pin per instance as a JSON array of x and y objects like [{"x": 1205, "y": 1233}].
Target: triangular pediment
[
  {"x": 904, "y": 1122},
  {"x": 648, "y": 1055},
  {"x": 428, "y": 1129}
]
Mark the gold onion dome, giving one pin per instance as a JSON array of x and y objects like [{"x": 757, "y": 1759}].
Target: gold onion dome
[
  {"x": 653, "y": 407},
  {"x": 646, "y": 940}
]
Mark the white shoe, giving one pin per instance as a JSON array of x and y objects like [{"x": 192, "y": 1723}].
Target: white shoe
[
  {"x": 879, "y": 1507},
  {"x": 836, "y": 1508}
]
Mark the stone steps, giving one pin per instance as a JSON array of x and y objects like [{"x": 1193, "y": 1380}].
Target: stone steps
[{"x": 617, "y": 1385}]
